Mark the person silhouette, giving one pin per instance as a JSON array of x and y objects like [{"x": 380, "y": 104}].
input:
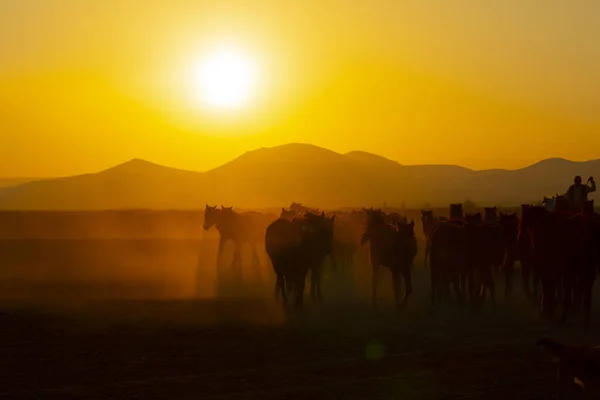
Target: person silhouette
[{"x": 578, "y": 192}]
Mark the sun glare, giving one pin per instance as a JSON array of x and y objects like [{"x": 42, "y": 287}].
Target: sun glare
[{"x": 226, "y": 79}]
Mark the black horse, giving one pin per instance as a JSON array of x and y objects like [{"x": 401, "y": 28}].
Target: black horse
[{"x": 296, "y": 247}]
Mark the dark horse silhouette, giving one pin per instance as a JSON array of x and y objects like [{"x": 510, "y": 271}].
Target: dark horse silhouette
[
  {"x": 491, "y": 214},
  {"x": 239, "y": 228},
  {"x": 300, "y": 209},
  {"x": 461, "y": 255},
  {"x": 295, "y": 247},
  {"x": 456, "y": 211},
  {"x": 508, "y": 235},
  {"x": 393, "y": 246},
  {"x": 429, "y": 221},
  {"x": 565, "y": 245},
  {"x": 530, "y": 264}
]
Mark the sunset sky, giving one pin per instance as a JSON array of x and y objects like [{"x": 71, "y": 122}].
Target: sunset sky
[{"x": 485, "y": 84}]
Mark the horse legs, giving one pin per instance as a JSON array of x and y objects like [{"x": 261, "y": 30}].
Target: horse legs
[
  {"x": 567, "y": 285},
  {"x": 299, "y": 280},
  {"x": 587, "y": 301},
  {"x": 537, "y": 284},
  {"x": 374, "y": 281},
  {"x": 255, "y": 258},
  {"x": 548, "y": 294},
  {"x": 509, "y": 269},
  {"x": 396, "y": 281},
  {"x": 280, "y": 288},
  {"x": 463, "y": 282},
  {"x": 434, "y": 280},
  {"x": 488, "y": 284},
  {"x": 315, "y": 283},
  {"x": 525, "y": 274},
  {"x": 222, "y": 241},
  {"x": 578, "y": 287},
  {"x": 456, "y": 285},
  {"x": 236, "y": 264},
  {"x": 406, "y": 274},
  {"x": 427, "y": 249},
  {"x": 472, "y": 289}
]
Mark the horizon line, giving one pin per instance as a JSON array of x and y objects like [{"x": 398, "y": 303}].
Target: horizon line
[{"x": 133, "y": 159}]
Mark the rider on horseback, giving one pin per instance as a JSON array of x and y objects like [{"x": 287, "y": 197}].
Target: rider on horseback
[{"x": 578, "y": 193}]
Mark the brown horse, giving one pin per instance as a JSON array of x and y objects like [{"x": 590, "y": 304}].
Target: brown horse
[
  {"x": 240, "y": 228},
  {"x": 393, "y": 246},
  {"x": 448, "y": 259},
  {"x": 296, "y": 247},
  {"x": 346, "y": 242},
  {"x": 565, "y": 245}
]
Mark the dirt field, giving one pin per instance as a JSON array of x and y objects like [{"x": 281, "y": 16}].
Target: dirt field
[
  {"x": 153, "y": 318},
  {"x": 249, "y": 348}
]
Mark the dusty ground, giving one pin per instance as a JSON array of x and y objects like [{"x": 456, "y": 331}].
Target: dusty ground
[
  {"x": 248, "y": 348},
  {"x": 64, "y": 336}
]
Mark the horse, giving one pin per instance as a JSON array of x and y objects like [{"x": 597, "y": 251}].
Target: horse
[
  {"x": 393, "y": 246},
  {"x": 346, "y": 241},
  {"x": 429, "y": 221},
  {"x": 564, "y": 244},
  {"x": 530, "y": 264},
  {"x": 302, "y": 210},
  {"x": 239, "y": 228},
  {"x": 287, "y": 214},
  {"x": 508, "y": 236},
  {"x": 491, "y": 214},
  {"x": 448, "y": 259},
  {"x": 456, "y": 211},
  {"x": 296, "y": 247},
  {"x": 482, "y": 254}
]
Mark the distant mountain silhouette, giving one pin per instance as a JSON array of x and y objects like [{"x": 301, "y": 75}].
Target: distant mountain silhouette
[
  {"x": 372, "y": 160},
  {"x": 7, "y": 182},
  {"x": 306, "y": 173}
]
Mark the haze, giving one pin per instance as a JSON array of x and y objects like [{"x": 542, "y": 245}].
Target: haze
[{"x": 478, "y": 84}]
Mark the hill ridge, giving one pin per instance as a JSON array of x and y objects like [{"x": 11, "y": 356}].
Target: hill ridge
[{"x": 298, "y": 172}]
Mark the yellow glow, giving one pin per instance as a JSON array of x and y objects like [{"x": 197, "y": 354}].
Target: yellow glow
[
  {"x": 226, "y": 79},
  {"x": 418, "y": 81}
]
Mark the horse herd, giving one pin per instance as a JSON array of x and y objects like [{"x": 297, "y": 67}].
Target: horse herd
[{"x": 559, "y": 252}]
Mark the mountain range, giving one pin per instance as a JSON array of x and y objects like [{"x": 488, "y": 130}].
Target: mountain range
[{"x": 304, "y": 173}]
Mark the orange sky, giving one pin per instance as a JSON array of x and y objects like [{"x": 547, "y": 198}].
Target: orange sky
[{"x": 85, "y": 85}]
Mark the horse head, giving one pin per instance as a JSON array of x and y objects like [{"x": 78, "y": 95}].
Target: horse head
[
  {"x": 211, "y": 216},
  {"x": 491, "y": 213},
  {"x": 474, "y": 218},
  {"x": 426, "y": 213},
  {"x": 287, "y": 214},
  {"x": 456, "y": 211}
]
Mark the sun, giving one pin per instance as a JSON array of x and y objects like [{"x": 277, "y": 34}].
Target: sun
[{"x": 226, "y": 79}]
